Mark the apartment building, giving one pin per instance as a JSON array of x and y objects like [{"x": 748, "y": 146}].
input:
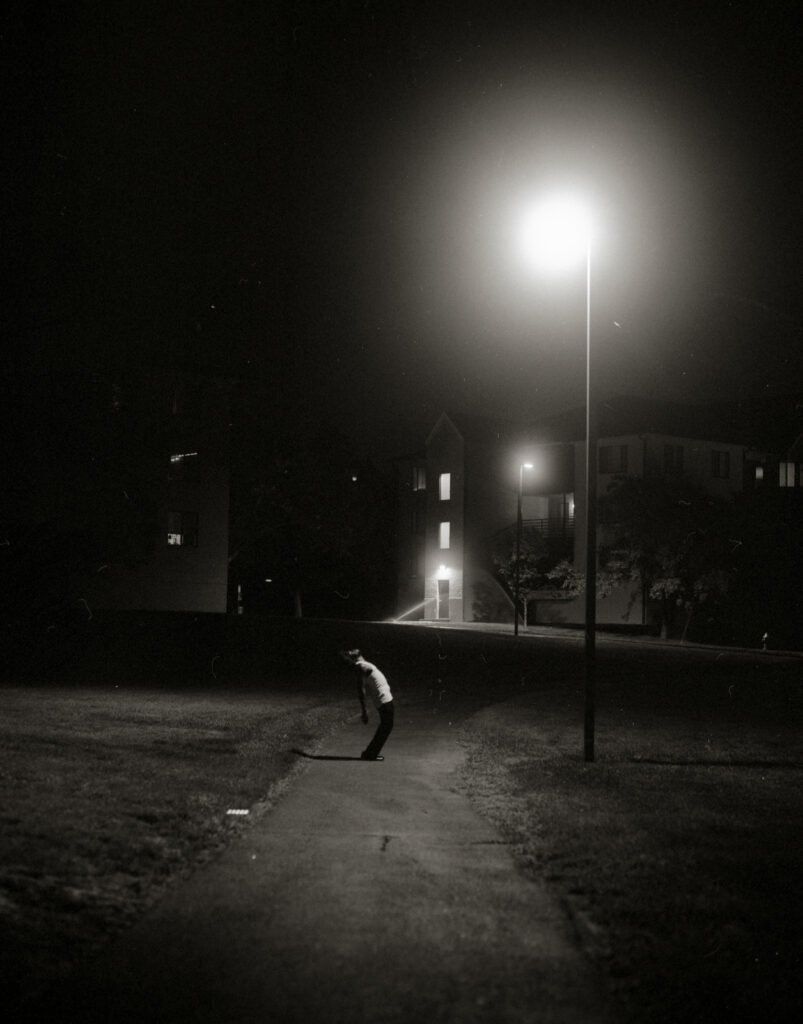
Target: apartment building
[
  {"x": 184, "y": 564},
  {"x": 461, "y": 491}
]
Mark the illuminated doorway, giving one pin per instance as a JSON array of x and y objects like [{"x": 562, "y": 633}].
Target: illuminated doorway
[{"x": 443, "y": 599}]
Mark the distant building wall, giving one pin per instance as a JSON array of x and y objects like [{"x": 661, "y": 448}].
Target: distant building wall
[
  {"x": 458, "y": 582},
  {"x": 445, "y": 524},
  {"x": 411, "y": 511},
  {"x": 187, "y": 567}
]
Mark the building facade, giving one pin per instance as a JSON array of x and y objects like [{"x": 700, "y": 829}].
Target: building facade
[
  {"x": 460, "y": 493},
  {"x": 184, "y": 564}
]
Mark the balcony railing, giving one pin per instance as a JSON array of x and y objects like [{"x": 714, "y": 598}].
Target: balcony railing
[{"x": 553, "y": 527}]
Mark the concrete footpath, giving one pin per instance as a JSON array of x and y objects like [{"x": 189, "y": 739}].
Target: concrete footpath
[{"x": 373, "y": 892}]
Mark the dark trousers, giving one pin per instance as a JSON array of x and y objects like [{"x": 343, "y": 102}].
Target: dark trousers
[{"x": 384, "y": 730}]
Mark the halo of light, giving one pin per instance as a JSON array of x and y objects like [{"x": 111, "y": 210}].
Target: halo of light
[{"x": 555, "y": 234}]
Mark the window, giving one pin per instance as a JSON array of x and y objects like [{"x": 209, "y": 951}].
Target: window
[
  {"x": 673, "y": 459},
  {"x": 786, "y": 474},
  {"x": 182, "y": 529},
  {"x": 759, "y": 472},
  {"x": 720, "y": 465},
  {"x": 444, "y": 535},
  {"x": 445, "y": 485},
  {"x": 419, "y": 478},
  {"x": 613, "y": 458}
]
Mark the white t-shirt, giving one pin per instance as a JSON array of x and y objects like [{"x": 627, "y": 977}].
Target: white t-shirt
[{"x": 374, "y": 683}]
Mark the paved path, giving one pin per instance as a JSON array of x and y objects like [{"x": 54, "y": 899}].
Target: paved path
[{"x": 372, "y": 893}]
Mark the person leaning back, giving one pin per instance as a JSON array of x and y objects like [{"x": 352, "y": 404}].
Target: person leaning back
[{"x": 372, "y": 685}]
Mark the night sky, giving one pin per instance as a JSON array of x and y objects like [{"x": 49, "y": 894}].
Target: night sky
[{"x": 324, "y": 196}]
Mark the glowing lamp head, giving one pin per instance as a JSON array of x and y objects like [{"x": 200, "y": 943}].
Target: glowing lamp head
[{"x": 555, "y": 234}]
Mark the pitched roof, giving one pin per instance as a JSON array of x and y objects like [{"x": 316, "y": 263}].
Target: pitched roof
[{"x": 772, "y": 424}]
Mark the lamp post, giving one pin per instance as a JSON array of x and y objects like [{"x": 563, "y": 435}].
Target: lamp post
[
  {"x": 555, "y": 234},
  {"x": 522, "y": 467},
  {"x": 591, "y": 536}
]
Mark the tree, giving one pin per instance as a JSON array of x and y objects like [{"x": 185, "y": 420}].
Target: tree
[
  {"x": 673, "y": 539},
  {"x": 531, "y": 563},
  {"x": 81, "y": 497},
  {"x": 768, "y": 554}
]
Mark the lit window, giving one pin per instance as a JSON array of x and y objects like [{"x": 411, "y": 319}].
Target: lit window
[
  {"x": 759, "y": 472},
  {"x": 786, "y": 474},
  {"x": 444, "y": 535},
  {"x": 720, "y": 465},
  {"x": 445, "y": 483},
  {"x": 419, "y": 478},
  {"x": 182, "y": 529}
]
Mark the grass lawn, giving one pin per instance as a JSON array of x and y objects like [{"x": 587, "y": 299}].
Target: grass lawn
[
  {"x": 678, "y": 852},
  {"x": 108, "y": 795}
]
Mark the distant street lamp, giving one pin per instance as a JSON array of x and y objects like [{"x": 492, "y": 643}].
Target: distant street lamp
[
  {"x": 522, "y": 467},
  {"x": 555, "y": 235}
]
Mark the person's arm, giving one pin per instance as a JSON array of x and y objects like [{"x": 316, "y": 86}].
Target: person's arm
[{"x": 361, "y": 696}]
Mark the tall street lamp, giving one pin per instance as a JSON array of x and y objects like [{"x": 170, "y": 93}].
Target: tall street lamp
[
  {"x": 522, "y": 467},
  {"x": 556, "y": 233}
]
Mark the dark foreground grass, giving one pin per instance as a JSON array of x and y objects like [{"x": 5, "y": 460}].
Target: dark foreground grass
[
  {"x": 678, "y": 852},
  {"x": 109, "y": 795}
]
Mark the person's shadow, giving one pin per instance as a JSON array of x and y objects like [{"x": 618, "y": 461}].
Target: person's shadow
[{"x": 323, "y": 757}]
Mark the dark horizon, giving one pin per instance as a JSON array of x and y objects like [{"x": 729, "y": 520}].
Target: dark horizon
[{"x": 323, "y": 197}]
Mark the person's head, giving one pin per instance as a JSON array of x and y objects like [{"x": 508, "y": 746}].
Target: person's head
[{"x": 351, "y": 657}]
